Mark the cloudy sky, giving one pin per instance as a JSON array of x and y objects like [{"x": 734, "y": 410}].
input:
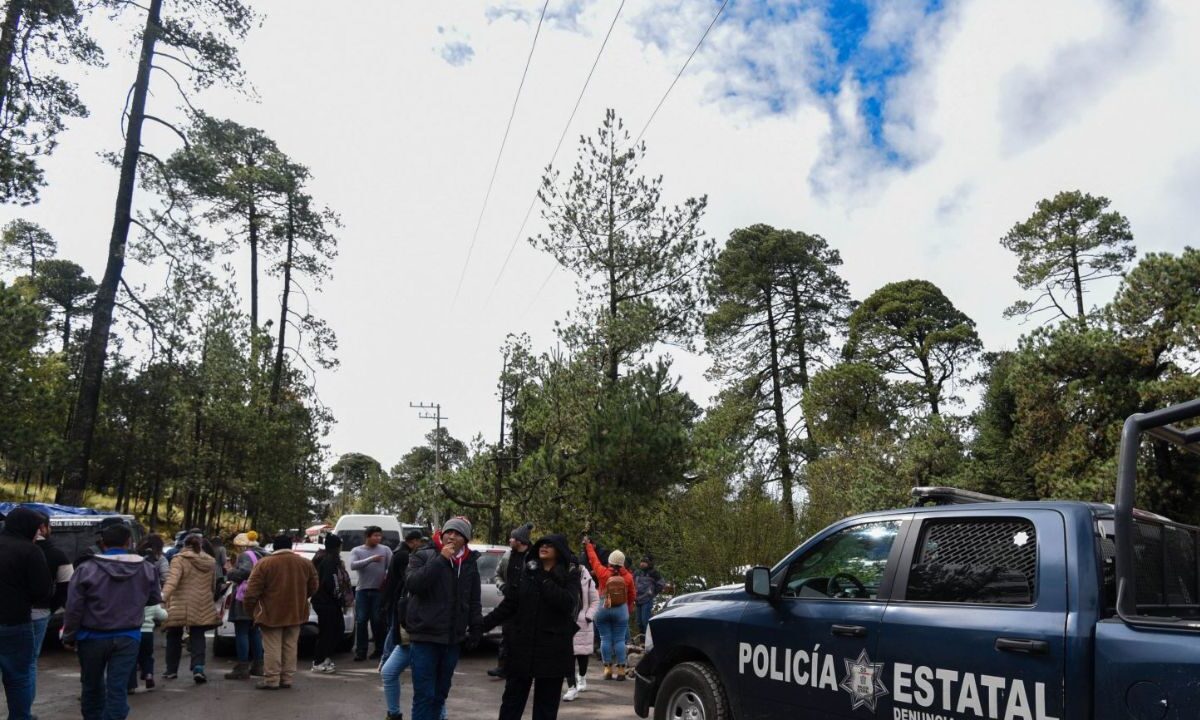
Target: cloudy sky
[{"x": 910, "y": 133}]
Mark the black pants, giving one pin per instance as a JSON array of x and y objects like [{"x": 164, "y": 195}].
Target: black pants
[
  {"x": 145, "y": 660},
  {"x": 581, "y": 661},
  {"x": 330, "y": 628},
  {"x": 196, "y": 647},
  {"x": 546, "y": 695},
  {"x": 506, "y": 633}
]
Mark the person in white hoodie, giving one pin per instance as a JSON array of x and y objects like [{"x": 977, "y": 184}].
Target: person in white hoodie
[{"x": 583, "y": 641}]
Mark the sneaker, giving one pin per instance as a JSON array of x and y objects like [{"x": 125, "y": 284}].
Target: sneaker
[
  {"x": 170, "y": 675},
  {"x": 571, "y": 693},
  {"x": 329, "y": 667},
  {"x": 199, "y": 678},
  {"x": 262, "y": 685},
  {"x": 319, "y": 667},
  {"x": 149, "y": 682},
  {"x": 360, "y": 658},
  {"x": 496, "y": 672},
  {"x": 581, "y": 684}
]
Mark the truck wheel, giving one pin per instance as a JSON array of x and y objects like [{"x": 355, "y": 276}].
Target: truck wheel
[{"x": 691, "y": 691}]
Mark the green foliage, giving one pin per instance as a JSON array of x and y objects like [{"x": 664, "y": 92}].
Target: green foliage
[
  {"x": 637, "y": 259},
  {"x": 34, "y": 101},
  {"x": 912, "y": 330},
  {"x": 63, "y": 285},
  {"x": 1068, "y": 242},
  {"x": 23, "y": 244}
]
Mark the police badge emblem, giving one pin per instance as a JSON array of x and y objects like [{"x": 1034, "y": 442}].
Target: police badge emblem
[{"x": 864, "y": 682}]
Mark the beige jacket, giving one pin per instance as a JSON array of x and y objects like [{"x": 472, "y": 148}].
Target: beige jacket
[{"x": 188, "y": 593}]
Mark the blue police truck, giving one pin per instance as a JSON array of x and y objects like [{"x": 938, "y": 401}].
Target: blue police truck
[{"x": 962, "y": 607}]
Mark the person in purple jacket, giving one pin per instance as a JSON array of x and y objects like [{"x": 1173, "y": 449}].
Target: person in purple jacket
[{"x": 106, "y": 603}]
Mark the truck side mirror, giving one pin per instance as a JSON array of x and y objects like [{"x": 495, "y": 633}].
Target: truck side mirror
[{"x": 758, "y": 582}]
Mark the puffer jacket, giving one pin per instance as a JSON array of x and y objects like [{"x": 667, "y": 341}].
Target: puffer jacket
[
  {"x": 543, "y": 608},
  {"x": 188, "y": 593},
  {"x": 584, "y": 642},
  {"x": 443, "y": 597}
]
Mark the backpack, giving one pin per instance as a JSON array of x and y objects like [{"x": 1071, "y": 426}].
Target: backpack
[
  {"x": 616, "y": 592},
  {"x": 341, "y": 586},
  {"x": 240, "y": 595}
]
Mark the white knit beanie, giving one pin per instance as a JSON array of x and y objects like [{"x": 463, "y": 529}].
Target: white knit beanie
[{"x": 616, "y": 557}]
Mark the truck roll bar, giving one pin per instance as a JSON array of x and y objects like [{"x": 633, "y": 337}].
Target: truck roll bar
[{"x": 1159, "y": 424}]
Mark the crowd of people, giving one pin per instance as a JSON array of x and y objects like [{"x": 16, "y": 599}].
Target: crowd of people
[{"x": 419, "y": 604}]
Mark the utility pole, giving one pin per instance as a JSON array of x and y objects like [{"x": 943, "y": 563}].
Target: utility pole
[{"x": 437, "y": 417}]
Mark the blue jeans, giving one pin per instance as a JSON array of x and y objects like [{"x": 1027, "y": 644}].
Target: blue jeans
[
  {"x": 16, "y": 658},
  {"x": 144, "y": 667},
  {"x": 432, "y": 672},
  {"x": 39, "y": 637},
  {"x": 367, "y": 610},
  {"x": 613, "y": 624},
  {"x": 643, "y": 616},
  {"x": 104, "y": 669},
  {"x": 247, "y": 640},
  {"x": 397, "y": 662}
]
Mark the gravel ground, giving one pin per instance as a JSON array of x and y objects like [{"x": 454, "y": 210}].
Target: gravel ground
[{"x": 353, "y": 693}]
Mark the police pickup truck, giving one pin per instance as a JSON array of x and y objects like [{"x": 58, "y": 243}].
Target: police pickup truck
[{"x": 975, "y": 608}]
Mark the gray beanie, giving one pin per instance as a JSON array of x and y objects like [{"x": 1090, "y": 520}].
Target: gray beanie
[
  {"x": 523, "y": 534},
  {"x": 460, "y": 525}
]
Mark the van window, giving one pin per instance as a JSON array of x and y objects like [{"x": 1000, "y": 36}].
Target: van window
[
  {"x": 353, "y": 538},
  {"x": 487, "y": 564},
  {"x": 848, "y": 565},
  {"x": 975, "y": 560}
]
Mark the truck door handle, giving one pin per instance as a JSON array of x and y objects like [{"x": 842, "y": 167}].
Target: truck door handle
[
  {"x": 1022, "y": 645},
  {"x": 850, "y": 630}
]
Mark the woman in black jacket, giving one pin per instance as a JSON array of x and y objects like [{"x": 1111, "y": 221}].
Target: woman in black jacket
[
  {"x": 543, "y": 605},
  {"x": 328, "y": 603}
]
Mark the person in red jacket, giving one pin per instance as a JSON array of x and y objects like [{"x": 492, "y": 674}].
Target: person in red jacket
[{"x": 616, "y": 599}]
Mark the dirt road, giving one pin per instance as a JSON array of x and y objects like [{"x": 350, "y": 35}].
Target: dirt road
[{"x": 354, "y": 693}]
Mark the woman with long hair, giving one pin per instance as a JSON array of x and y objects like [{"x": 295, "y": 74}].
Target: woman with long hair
[{"x": 188, "y": 595}]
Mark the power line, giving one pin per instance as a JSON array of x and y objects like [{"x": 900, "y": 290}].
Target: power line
[
  {"x": 680, "y": 73},
  {"x": 557, "y": 148},
  {"x": 504, "y": 141},
  {"x": 541, "y": 287}
]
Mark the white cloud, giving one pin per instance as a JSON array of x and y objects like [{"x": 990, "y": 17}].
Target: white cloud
[{"x": 402, "y": 144}]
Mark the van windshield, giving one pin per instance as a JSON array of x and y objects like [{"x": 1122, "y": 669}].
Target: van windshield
[{"x": 353, "y": 538}]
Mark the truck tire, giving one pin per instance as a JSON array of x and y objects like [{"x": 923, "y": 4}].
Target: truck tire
[{"x": 691, "y": 691}]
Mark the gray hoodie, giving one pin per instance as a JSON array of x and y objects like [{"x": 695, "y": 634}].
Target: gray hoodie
[{"x": 110, "y": 592}]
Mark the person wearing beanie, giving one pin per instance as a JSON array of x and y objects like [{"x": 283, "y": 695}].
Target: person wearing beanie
[
  {"x": 25, "y": 580},
  {"x": 507, "y": 572},
  {"x": 617, "y": 599},
  {"x": 649, "y": 584},
  {"x": 443, "y": 611},
  {"x": 542, "y": 607},
  {"x": 247, "y": 637},
  {"x": 330, "y": 602}
]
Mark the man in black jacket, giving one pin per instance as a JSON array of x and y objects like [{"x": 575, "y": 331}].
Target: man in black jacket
[
  {"x": 443, "y": 611},
  {"x": 508, "y": 573},
  {"x": 24, "y": 581},
  {"x": 393, "y": 587}
]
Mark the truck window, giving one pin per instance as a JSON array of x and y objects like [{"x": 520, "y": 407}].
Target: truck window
[
  {"x": 1165, "y": 569},
  {"x": 975, "y": 560},
  {"x": 848, "y": 565}
]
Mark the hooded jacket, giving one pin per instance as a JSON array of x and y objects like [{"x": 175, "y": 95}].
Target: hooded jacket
[
  {"x": 543, "y": 605},
  {"x": 110, "y": 592},
  {"x": 443, "y": 596},
  {"x": 590, "y": 605},
  {"x": 24, "y": 576},
  {"x": 189, "y": 591},
  {"x": 649, "y": 584}
]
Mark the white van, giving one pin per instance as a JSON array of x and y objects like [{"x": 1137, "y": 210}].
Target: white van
[{"x": 350, "y": 528}]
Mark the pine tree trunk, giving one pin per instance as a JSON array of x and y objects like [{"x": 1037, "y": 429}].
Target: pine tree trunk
[
  {"x": 786, "y": 476},
  {"x": 83, "y": 426},
  {"x": 8, "y": 47},
  {"x": 277, "y": 375},
  {"x": 253, "y": 217},
  {"x": 1082, "y": 317}
]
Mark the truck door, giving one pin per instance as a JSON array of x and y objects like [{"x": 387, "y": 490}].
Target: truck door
[
  {"x": 975, "y": 627},
  {"x": 810, "y": 652}
]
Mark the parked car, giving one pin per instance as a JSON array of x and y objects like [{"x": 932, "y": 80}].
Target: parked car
[
  {"x": 224, "y": 636},
  {"x": 489, "y": 592},
  {"x": 976, "y": 607}
]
